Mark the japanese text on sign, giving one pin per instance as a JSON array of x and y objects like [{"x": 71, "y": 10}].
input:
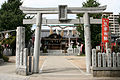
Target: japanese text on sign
[{"x": 105, "y": 29}]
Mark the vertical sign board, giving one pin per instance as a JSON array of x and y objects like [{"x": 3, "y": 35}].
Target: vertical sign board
[
  {"x": 62, "y": 12},
  {"x": 105, "y": 30}
]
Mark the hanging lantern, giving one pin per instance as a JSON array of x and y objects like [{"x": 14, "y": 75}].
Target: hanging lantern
[
  {"x": 62, "y": 33},
  {"x": 73, "y": 31},
  {"x": 51, "y": 31}
]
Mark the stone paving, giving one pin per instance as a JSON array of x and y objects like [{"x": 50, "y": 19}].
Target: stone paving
[
  {"x": 7, "y": 72},
  {"x": 59, "y": 65},
  {"x": 53, "y": 68}
]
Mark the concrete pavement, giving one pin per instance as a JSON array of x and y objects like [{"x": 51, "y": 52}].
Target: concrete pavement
[
  {"x": 53, "y": 68},
  {"x": 59, "y": 65}
]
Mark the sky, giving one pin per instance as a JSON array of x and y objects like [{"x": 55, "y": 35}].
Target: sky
[{"x": 112, "y": 5}]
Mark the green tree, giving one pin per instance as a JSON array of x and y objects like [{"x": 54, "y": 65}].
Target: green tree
[
  {"x": 95, "y": 28},
  {"x": 10, "y": 15},
  {"x": 10, "y": 18}
]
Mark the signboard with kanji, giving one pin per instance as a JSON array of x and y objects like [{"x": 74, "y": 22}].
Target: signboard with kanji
[
  {"x": 105, "y": 30},
  {"x": 62, "y": 12}
]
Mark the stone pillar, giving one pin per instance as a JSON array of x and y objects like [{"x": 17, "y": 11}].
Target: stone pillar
[
  {"x": 25, "y": 57},
  {"x": 87, "y": 35},
  {"x": 109, "y": 60},
  {"x": 20, "y": 45},
  {"x": 103, "y": 60},
  {"x": 17, "y": 47},
  {"x": 24, "y": 69},
  {"x": 94, "y": 63},
  {"x": 21, "y": 52},
  {"x": 118, "y": 59},
  {"x": 114, "y": 60},
  {"x": 30, "y": 60},
  {"x": 99, "y": 59},
  {"x": 37, "y": 44}
]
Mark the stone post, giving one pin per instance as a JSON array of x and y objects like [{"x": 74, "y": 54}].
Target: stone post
[
  {"x": 30, "y": 60},
  {"x": 103, "y": 59},
  {"x": 37, "y": 44},
  {"x": 94, "y": 63},
  {"x": 109, "y": 60},
  {"x": 17, "y": 47},
  {"x": 25, "y": 57},
  {"x": 99, "y": 59},
  {"x": 20, "y": 45},
  {"x": 118, "y": 59},
  {"x": 87, "y": 35},
  {"x": 24, "y": 68},
  {"x": 114, "y": 60}
]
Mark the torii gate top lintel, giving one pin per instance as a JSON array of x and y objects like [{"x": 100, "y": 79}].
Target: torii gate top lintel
[{"x": 70, "y": 10}]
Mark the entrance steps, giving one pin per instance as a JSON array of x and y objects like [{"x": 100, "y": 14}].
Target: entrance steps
[
  {"x": 58, "y": 54},
  {"x": 55, "y": 51}
]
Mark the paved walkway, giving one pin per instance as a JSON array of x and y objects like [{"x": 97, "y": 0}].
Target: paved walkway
[
  {"x": 59, "y": 65},
  {"x": 53, "y": 68},
  {"x": 7, "y": 72},
  {"x": 59, "y": 68}
]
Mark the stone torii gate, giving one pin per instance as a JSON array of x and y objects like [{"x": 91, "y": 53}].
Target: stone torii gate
[{"x": 62, "y": 10}]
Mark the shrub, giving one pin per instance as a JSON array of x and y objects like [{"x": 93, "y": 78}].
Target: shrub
[
  {"x": 1, "y": 56},
  {"x": 1, "y": 49},
  {"x": 5, "y": 58}
]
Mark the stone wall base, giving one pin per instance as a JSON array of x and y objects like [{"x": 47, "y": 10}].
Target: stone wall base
[{"x": 106, "y": 72}]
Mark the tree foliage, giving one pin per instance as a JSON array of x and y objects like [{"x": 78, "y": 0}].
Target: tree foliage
[
  {"x": 90, "y": 3},
  {"x": 95, "y": 28},
  {"x": 10, "y": 18},
  {"x": 10, "y": 15}
]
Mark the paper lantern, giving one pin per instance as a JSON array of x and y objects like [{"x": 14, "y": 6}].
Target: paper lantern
[
  {"x": 62, "y": 33},
  {"x": 68, "y": 32},
  {"x": 57, "y": 31},
  {"x": 51, "y": 31}
]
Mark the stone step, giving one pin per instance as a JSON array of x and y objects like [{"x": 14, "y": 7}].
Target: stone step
[
  {"x": 55, "y": 51},
  {"x": 59, "y": 54}
]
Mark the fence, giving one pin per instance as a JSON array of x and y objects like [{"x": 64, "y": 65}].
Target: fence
[{"x": 105, "y": 64}]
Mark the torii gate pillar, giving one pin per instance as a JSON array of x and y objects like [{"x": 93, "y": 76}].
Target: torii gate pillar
[
  {"x": 87, "y": 35},
  {"x": 37, "y": 44}
]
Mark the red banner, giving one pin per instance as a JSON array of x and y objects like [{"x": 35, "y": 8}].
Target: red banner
[{"x": 105, "y": 30}]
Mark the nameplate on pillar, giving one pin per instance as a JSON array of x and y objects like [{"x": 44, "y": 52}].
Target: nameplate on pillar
[{"x": 62, "y": 12}]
